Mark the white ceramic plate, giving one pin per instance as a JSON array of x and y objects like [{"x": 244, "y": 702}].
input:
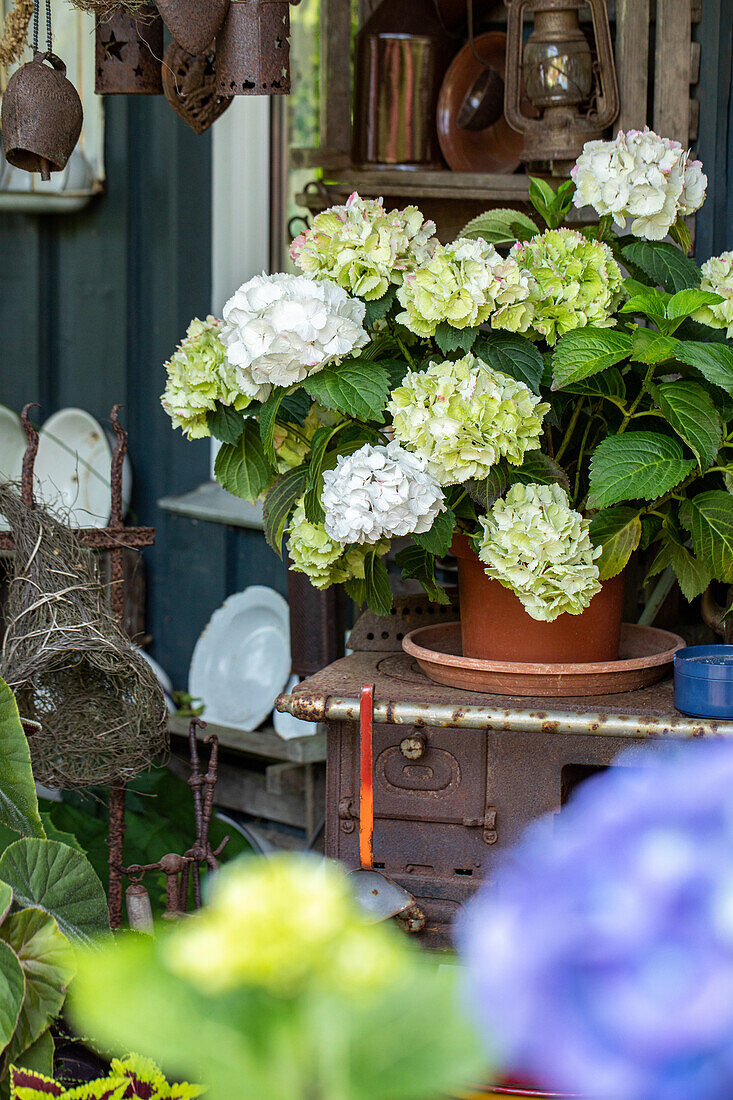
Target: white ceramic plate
[
  {"x": 241, "y": 662},
  {"x": 286, "y": 725},
  {"x": 12, "y": 449},
  {"x": 73, "y": 468}
]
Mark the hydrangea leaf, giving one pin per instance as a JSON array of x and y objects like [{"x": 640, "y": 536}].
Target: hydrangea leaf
[
  {"x": 538, "y": 469},
  {"x": 451, "y": 339},
  {"x": 693, "y": 575},
  {"x": 267, "y": 419},
  {"x": 294, "y": 407},
  {"x": 59, "y": 880},
  {"x": 242, "y": 468},
  {"x": 686, "y": 302},
  {"x": 12, "y": 990},
  {"x": 356, "y": 387},
  {"x": 500, "y": 226},
  {"x": 491, "y": 487},
  {"x": 588, "y": 351},
  {"x": 279, "y": 504},
  {"x": 709, "y": 519},
  {"x": 618, "y": 531},
  {"x": 512, "y": 355},
  {"x": 438, "y": 539},
  {"x": 417, "y": 564},
  {"x": 609, "y": 383},
  {"x": 312, "y": 501},
  {"x": 225, "y": 423},
  {"x": 649, "y": 303},
  {"x": 652, "y": 347},
  {"x": 692, "y": 414},
  {"x": 714, "y": 361},
  {"x": 664, "y": 263},
  {"x": 636, "y": 466},
  {"x": 18, "y": 802},
  {"x": 377, "y": 591},
  {"x": 378, "y": 308}
]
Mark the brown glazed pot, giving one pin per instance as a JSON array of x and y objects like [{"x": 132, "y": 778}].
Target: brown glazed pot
[{"x": 495, "y": 626}]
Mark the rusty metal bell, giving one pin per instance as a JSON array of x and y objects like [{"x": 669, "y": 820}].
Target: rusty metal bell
[
  {"x": 253, "y": 49},
  {"x": 128, "y": 53},
  {"x": 41, "y": 116}
]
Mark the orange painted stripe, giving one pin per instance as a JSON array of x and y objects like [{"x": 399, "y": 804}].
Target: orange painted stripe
[{"x": 366, "y": 776}]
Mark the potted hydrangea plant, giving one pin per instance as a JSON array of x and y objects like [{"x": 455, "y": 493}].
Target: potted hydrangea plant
[{"x": 541, "y": 399}]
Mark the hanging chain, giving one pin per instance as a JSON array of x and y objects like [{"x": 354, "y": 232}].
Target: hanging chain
[{"x": 49, "y": 33}]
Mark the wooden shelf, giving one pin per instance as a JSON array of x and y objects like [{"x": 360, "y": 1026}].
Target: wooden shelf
[
  {"x": 423, "y": 184},
  {"x": 263, "y": 742}
]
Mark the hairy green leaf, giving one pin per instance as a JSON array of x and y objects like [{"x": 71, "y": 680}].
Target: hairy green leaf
[
  {"x": 692, "y": 414},
  {"x": 501, "y": 226},
  {"x": 279, "y": 504},
  {"x": 18, "y": 802},
  {"x": 618, "y": 531},
  {"x": 513, "y": 355},
  {"x": 664, "y": 263},
  {"x": 242, "y": 468},
  {"x": 417, "y": 564},
  {"x": 440, "y": 536},
  {"x": 225, "y": 423},
  {"x": 356, "y": 387},
  {"x": 12, "y": 990},
  {"x": 635, "y": 466},
  {"x": 709, "y": 519},
  {"x": 451, "y": 339},
  {"x": 587, "y": 351},
  {"x": 714, "y": 361}
]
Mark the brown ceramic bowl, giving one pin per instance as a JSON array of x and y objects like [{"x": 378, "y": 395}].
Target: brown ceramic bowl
[{"x": 495, "y": 149}]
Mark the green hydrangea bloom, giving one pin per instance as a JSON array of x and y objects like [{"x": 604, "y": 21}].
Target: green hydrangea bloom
[
  {"x": 199, "y": 375},
  {"x": 464, "y": 416},
  {"x": 576, "y": 282},
  {"x": 293, "y": 442},
  {"x": 323, "y": 560},
  {"x": 363, "y": 248},
  {"x": 717, "y": 277},
  {"x": 463, "y": 284},
  {"x": 534, "y": 543}
]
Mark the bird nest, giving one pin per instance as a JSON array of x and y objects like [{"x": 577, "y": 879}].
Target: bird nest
[
  {"x": 104, "y": 9},
  {"x": 102, "y": 712}
]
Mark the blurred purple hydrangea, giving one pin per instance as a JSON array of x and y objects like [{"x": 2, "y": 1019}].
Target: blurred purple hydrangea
[{"x": 601, "y": 960}]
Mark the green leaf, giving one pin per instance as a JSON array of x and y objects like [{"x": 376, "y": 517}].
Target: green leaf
[
  {"x": 618, "y": 531},
  {"x": 356, "y": 387},
  {"x": 225, "y": 424},
  {"x": 488, "y": 490},
  {"x": 294, "y": 407},
  {"x": 636, "y": 466},
  {"x": 58, "y": 879},
  {"x": 242, "y": 468},
  {"x": 512, "y": 355},
  {"x": 438, "y": 539},
  {"x": 709, "y": 519},
  {"x": 692, "y": 414},
  {"x": 279, "y": 503},
  {"x": 680, "y": 233},
  {"x": 38, "y": 1058},
  {"x": 12, "y": 991},
  {"x": 651, "y": 347},
  {"x": 417, "y": 564},
  {"x": 587, "y": 351},
  {"x": 609, "y": 383},
  {"x": 267, "y": 419},
  {"x": 378, "y": 308},
  {"x": 550, "y": 204},
  {"x": 650, "y": 303},
  {"x": 538, "y": 468},
  {"x": 18, "y": 802},
  {"x": 686, "y": 302},
  {"x": 693, "y": 575},
  {"x": 664, "y": 263},
  {"x": 377, "y": 591},
  {"x": 451, "y": 339},
  {"x": 501, "y": 226},
  {"x": 6, "y": 900},
  {"x": 650, "y": 528},
  {"x": 396, "y": 370},
  {"x": 46, "y": 959},
  {"x": 714, "y": 361},
  {"x": 312, "y": 501}
]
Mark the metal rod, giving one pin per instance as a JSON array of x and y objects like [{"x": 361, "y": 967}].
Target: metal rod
[
  {"x": 116, "y": 834},
  {"x": 366, "y": 777}
]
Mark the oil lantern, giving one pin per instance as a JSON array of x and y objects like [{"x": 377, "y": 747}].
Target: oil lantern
[{"x": 572, "y": 87}]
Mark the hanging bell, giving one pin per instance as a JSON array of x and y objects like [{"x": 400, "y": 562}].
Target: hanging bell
[
  {"x": 192, "y": 24},
  {"x": 41, "y": 116},
  {"x": 253, "y": 49},
  {"x": 129, "y": 51}
]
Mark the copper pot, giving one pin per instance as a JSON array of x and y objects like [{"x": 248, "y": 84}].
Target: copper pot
[{"x": 495, "y": 626}]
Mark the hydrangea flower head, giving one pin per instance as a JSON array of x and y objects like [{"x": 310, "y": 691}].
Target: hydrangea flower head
[
  {"x": 199, "y": 375},
  {"x": 577, "y": 282},
  {"x": 323, "y": 560},
  {"x": 293, "y": 442},
  {"x": 278, "y": 329},
  {"x": 363, "y": 248},
  {"x": 379, "y": 492},
  {"x": 534, "y": 543},
  {"x": 463, "y": 284},
  {"x": 464, "y": 416},
  {"x": 601, "y": 961},
  {"x": 639, "y": 175},
  {"x": 285, "y": 925},
  {"x": 717, "y": 276}
]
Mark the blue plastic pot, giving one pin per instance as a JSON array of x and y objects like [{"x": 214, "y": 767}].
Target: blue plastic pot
[{"x": 703, "y": 681}]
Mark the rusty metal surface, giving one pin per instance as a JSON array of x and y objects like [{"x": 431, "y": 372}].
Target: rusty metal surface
[
  {"x": 193, "y": 25},
  {"x": 404, "y": 696},
  {"x": 41, "y": 116},
  {"x": 384, "y": 633},
  {"x": 317, "y": 624},
  {"x": 253, "y": 49},
  {"x": 128, "y": 53}
]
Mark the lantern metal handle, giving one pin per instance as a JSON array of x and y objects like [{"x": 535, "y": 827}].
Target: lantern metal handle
[{"x": 610, "y": 103}]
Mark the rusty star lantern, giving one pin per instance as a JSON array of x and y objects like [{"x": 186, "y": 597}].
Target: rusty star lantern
[
  {"x": 572, "y": 87},
  {"x": 253, "y": 48}
]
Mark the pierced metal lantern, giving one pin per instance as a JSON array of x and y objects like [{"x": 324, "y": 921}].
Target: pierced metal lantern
[
  {"x": 253, "y": 49},
  {"x": 129, "y": 51},
  {"x": 572, "y": 87},
  {"x": 41, "y": 116}
]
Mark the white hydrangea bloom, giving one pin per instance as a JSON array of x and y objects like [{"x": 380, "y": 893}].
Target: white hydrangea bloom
[
  {"x": 642, "y": 176},
  {"x": 534, "y": 543},
  {"x": 324, "y": 561},
  {"x": 717, "y": 276},
  {"x": 278, "y": 329},
  {"x": 379, "y": 492},
  {"x": 464, "y": 416}
]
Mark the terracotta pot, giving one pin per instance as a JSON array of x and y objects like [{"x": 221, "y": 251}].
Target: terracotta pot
[{"x": 495, "y": 626}]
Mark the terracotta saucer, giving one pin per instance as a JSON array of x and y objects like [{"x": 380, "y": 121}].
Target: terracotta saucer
[
  {"x": 495, "y": 149},
  {"x": 645, "y": 657}
]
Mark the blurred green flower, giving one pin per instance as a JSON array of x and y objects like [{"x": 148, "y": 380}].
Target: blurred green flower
[
  {"x": 464, "y": 416},
  {"x": 534, "y": 543},
  {"x": 576, "y": 282},
  {"x": 717, "y": 276},
  {"x": 199, "y": 375},
  {"x": 323, "y": 560},
  {"x": 292, "y": 442}
]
